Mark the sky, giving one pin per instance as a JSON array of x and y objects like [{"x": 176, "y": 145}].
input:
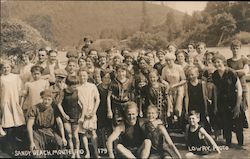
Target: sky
[{"x": 186, "y": 6}]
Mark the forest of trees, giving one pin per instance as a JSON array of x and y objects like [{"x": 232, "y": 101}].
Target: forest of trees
[{"x": 217, "y": 25}]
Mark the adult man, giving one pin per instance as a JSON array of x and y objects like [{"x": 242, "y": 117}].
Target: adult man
[
  {"x": 52, "y": 63},
  {"x": 132, "y": 141},
  {"x": 42, "y": 58},
  {"x": 199, "y": 59}
]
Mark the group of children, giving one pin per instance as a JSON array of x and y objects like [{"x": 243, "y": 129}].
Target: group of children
[{"x": 173, "y": 86}]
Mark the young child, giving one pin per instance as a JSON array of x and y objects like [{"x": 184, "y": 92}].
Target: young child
[
  {"x": 198, "y": 140},
  {"x": 196, "y": 97},
  {"x": 158, "y": 135},
  {"x": 89, "y": 96},
  {"x": 72, "y": 111},
  {"x": 11, "y": 114},
  {"x": 156, "y": 93},
  {"x": 31, "y": 93},
  {"x": 140, "y": 82}
]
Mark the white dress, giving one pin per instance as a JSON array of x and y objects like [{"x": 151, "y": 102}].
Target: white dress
[
  {"x": 88, "y": 94},
  {"x": 11, "y": 111}
]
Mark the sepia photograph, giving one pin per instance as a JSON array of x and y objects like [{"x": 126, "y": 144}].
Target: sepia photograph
[{"x": 125, "y": 79}]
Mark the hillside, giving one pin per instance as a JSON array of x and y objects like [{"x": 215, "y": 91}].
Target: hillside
[{"x": 72, "y": 20}]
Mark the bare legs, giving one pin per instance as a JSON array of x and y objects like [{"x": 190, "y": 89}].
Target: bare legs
[
  {"x": 143, "y": 151},
  {"x": 72, "y": 131}
]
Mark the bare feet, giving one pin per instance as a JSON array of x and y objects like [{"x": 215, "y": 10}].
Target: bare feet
[
  {"x": 73, "y": 155},
  {"x": 87, "y": 155},
  {"x": 2, "y": 132}
]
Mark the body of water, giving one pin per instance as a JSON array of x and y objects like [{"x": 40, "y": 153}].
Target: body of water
[{"x": 245, "y": 50}]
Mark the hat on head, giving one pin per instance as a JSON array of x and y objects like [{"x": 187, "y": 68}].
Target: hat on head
[
  {"x": 46, "y": 93},
  {"x": 60, "y": 73}
]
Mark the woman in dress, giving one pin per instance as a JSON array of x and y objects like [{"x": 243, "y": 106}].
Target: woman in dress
[
  {"x": 229, "y": 97},
  {"x": 90, "y": 66},
  {"x": 174, "y": 75},
  {"x": 89, "y": 97},
  {"x": 180, "y": 59},
  {"x": 104, "y": 126}
]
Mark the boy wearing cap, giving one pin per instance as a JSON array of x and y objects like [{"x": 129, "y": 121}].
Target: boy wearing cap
[{"x": 41, "y": 124}]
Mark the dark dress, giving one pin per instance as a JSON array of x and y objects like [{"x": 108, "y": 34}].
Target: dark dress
[
  {"x": 121, "y": 94},
  {"x": 197, "y": 103},
  {"x": 71, "y": 106},
  {"x": 159, "y": 145},
  {"x": 104, "y": 124},
  {"x": 157, "y": 97},
  {"x": 45, "y": 136},
  {"x": 227, "y": 98},
  {"x": 196, "y": 142},
  {"x": 158, "y": 66}
]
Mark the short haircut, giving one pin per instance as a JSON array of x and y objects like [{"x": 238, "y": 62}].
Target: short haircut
[
  {"x": 72, "y": 80},
  {"x": 194, "y": 112},
  {"x": 160, "y": 51},
  {"x": 153, "y": 71},
  {"x": 193, "y": 44},
  {"x": 82, "y": 58},
  {"x": 52, "y": 51},
  {"x": 72, "y": 60},
  {"x": 192, "y": 68},
  {"x": 82, "y": 70},
  {"x": 36, "y": 68},
  {"x": 144, "y": 58},
  {"x": 93, "y": 50},
  {"x": 181, "y": 51},
  {"x": 201, "y": 43},
  {"x": 172, "y": 44},
  {"x": 42, "y": 49},
  {"x": 236, "y": 43},
  {"x": 71, "y": 54},
  {"x": 91, "y": 58},
  {"x": 151, "y": 106},
  {"x": 122, "y": 66},
  {"x": 219, "y": 56},
  {"x": 131, "y": 105}
]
